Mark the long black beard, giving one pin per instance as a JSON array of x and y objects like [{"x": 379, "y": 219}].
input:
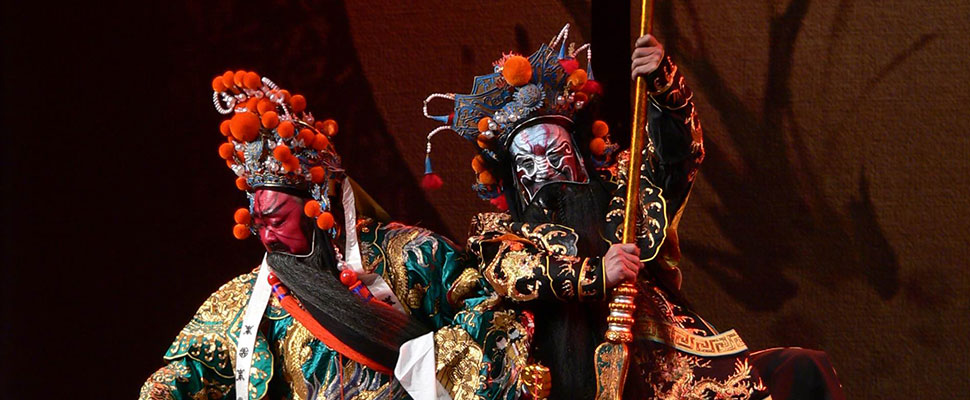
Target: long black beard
[
  {"x": 567, "y": 333},
  {"x": 376, "y": 332},
  {"x": 580, "y": 206}
]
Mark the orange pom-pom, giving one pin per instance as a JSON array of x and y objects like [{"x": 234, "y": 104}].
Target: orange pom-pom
[
  {"x": 306, "y": 136},
  {"x": 229, "y": 163},
  {"x": 265, "y": 105},
  {"x": 486, "y": 178},
  {"x": 227, "y": 79},
  {"x": 270, "y": 120},
  {"x": 291, "y": 164},
  {"x": 329, "y": 127},
  {"x": 483, "y": 124},
  {"x": 218, "y": 85},
  {"x": 241, "y": 216},
  {"x": 251, "y": 104},
  {"x": 238, "y": 77},
  {"x": 244, "y": 126},
  {"x": 226, "y": 150},
  {"x": 240, "y": 231},
  {"x": 600, "y": 128},
  {"x": 312, "y": 208},
  {"x": 252, "y": 81},
  {"x": 285, "y": 129},
  {"x": 317, "y": 174},
  {"x": 320, "y": 142},
  {"x": 478, "y": 163},
  {"x": 298, "y": 103},
  {"x": 325, "y": 221},
  {"x": 577, "y": 79},
  {"x": 517, "y": 70},
  {"x": 282, "y": 152},
  {"x": 597, "y": 146},
  {"x": 484, "y": 141},
  {"x": 286, "y": 95},
  {"x": 241, "y": 183},
  {"x": 224, "y": 128}
]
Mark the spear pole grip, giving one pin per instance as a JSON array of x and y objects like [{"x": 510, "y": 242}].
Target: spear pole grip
[{"x": 620, "y": 321}]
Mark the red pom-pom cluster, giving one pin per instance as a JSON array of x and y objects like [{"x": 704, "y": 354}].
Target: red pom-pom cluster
[
  {"x": 324, "y": 219},
  {"x": 482, "y": 171},
  {"x": 243, "y": 219},
  {"x": 261, "y": 112},
  {"x": 600, "y": 145},
  {"x": 270, "y": 113}
]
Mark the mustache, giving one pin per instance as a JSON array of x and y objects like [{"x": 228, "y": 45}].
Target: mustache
[{"x": 277, "y": 247}]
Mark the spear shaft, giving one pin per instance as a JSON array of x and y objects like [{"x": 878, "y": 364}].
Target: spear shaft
[{"x": 612, "y": 357}]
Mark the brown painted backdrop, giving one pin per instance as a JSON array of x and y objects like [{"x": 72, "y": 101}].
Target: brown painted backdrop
[{"x": 830, "y": 211}]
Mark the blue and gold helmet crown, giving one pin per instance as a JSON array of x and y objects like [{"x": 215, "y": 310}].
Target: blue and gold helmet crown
[{"x": 548, "y": 86}]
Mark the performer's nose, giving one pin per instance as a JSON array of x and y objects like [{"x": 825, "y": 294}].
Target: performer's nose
[
  {"x": 544, "y": 169},
  {"x": 269, "y": 238}
]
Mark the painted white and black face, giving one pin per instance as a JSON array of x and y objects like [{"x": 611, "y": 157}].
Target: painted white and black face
[{"x": 542, "y": 154}]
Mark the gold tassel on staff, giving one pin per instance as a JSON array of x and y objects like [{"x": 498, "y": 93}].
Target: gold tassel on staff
[{"x": 612, "y": 357}]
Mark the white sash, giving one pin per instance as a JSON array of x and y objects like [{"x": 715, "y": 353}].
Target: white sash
[
  {"x": 352, "y": 259},
  {"x": 415, "y": 369},
  {"x": 249, "y": 329}
]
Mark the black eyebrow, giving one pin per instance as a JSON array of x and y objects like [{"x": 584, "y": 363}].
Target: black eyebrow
[{"x": 275, "y": 207}]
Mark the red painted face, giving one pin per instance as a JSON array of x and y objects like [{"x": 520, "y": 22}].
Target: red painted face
[{"x": 280, "y": 223}]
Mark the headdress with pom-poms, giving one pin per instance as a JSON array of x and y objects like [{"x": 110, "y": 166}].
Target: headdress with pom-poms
[
  {"x": 273, "y": 142},
  {"x": 547, "y": 85}
]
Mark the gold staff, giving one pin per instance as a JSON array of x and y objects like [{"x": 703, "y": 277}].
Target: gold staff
[{"x": 612, "y": 357}]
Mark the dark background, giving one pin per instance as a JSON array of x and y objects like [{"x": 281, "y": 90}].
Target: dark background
[{"x": 830, "y": 212}]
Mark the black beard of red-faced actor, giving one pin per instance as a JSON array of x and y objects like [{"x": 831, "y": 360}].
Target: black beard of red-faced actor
[{"x": 304, "y": 258}]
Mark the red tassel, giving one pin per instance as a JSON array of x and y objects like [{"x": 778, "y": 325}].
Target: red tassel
[
  {"x": 592, "y": 87},
  {"x": 500, "y": 203},
  {"x": 431, "y": 182},
  {"x": 569, "y": 65}
]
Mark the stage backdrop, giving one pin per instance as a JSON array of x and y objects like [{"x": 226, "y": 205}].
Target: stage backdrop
[{"x": 830, "y": 211}]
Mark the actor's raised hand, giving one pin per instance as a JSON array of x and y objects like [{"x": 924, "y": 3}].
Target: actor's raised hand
[
  {"x": 622, "y": 263},
  {"x": 647, "y": 54}
]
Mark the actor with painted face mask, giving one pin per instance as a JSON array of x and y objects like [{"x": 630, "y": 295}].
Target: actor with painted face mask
[
  {"x": 555, "y": 249},
  {"x": 345, "y": 302}
]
